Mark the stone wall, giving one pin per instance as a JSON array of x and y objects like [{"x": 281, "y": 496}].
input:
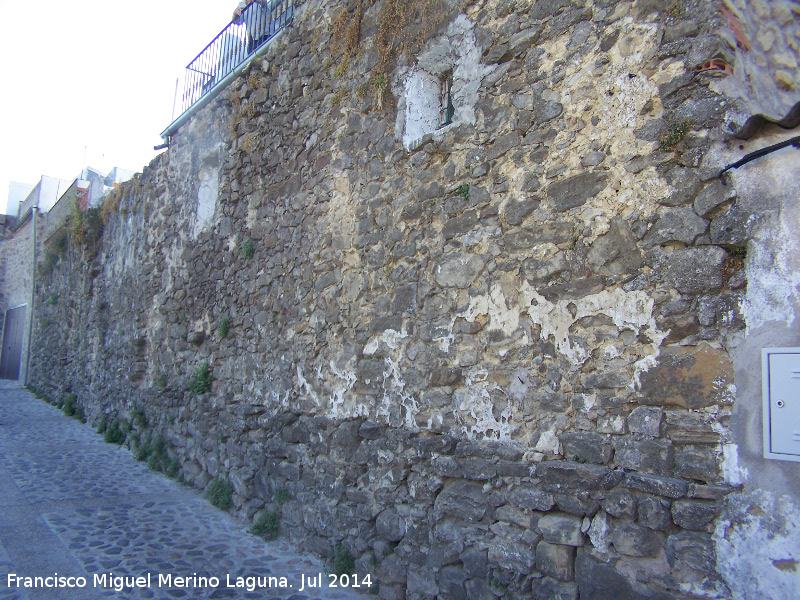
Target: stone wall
[
  {"x": 499, "y": 363},
  {"x": 16, "y": 257}
]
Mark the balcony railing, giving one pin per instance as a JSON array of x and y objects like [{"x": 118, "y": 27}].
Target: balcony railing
[{"x": 258, "y": 24}]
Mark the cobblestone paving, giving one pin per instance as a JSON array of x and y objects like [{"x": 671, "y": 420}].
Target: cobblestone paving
[{"x": 72, "y": 505}]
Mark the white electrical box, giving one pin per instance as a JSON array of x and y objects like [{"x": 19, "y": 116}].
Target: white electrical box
[{"x": 780, "y": 368}]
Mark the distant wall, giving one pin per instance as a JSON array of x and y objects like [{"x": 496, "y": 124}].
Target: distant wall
[{"x": 520, "y": 359}]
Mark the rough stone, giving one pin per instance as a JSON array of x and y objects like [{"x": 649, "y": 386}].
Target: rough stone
[
  {"x": 685, "y": 183},
  {"x": 571, "y": 476},
  {"x": 697, "y": 463},
  {"x": 514, "y": 213},
  {"x": 458, "y": 270},
  {"x": 532, "y": 497},
  {"x": 547, "y": 588},
  {"x": 691, "y": 549},
  {"x": 691, "y": 270},
  {"x": 676, "y": 225},
  {"x": 732, "y": 227},
  {"x": 712, "y": 196},
  {"x": 616, "y": 252},
  {"x": 575, "y": 191}
]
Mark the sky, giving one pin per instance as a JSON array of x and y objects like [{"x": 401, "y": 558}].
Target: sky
[{"x": 92, "y": 82}]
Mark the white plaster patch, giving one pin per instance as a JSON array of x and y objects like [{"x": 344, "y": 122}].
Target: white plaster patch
[
  {"x": 758, "y": 554},
  {"x": 206, "y": 200},
  {"x": 419, "y": 87},
  {"x": 733, "y": 473},
  {"x": 475, "y": 413}
]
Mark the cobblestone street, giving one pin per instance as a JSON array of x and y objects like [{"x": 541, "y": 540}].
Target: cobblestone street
[{"x": 74, "y": 506}]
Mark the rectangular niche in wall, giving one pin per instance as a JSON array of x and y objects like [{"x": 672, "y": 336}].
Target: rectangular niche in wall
[{"x": 780, "y": 368}]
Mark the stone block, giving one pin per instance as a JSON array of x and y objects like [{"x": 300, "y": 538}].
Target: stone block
[
  {"x": 532, "y": 497},
  {"x": 390, "y": 525},
  {"x": 509, "y": 553},
  {"x": 631, "y": 539},
  {"x": 547, "y": 588},
  {"x": 556, "y": 560},
  {"x": 461, "y": 499},
  {"x": 653, "y": 484},
  {"x": 564, "y": 475},
  {"x": 691, "y": 549},
  {"x": 695, "y": 515},
  {"x": 692, "y": 270},
  {"x": 476, "y": 562},
  {"x": 479, "y": 589},
  {"x": 422, "y": 581},
  {"x": 697, "y": 462},
  {"x": 600, "y": 581},
  {"x": 645, "y": 455},
  {"x": 537, "y": 271},
  {"x": 653, "y": 513},
  {"x": 561, "y": 529},
  {"x": 690, "y": 377},
  {"x": 580, "y": 504},
  {"x": 685, "y": 184},
  {"x": 620, "y": 503},
  {"x": 524, "y": 238},
  {"x": 586, "y": 446},
  {"x": 646, "y": 420}
]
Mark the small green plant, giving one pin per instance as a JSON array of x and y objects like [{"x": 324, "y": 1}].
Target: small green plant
[
  {"x": 674, "y": 136},
  {"x": 102, "y": 426},
  {"x": 53, "y": 299},
  {"x": 220, "y": 493},
  {"x": 267, "y": 524},
  {"x": 224, "y": 326},
  {"x": 114, "y": 434},
  {"x": 463, "y": 191},
  {"x": 69, "y": 405},
  {"x": 281, "y": 496},
  {"x": 248, "y": 249},
  {"x": 200, "y": 381},
  {"x": 79, "y": 414},
  {"x": 342, "y": 562},
  {"x": 48, "y": 265},
  {"x": 139, "y": 418},
  {"x": 160, "y": 380}
]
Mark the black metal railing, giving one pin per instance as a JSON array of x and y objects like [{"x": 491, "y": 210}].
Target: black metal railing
[{"x": 257, "y": 24}]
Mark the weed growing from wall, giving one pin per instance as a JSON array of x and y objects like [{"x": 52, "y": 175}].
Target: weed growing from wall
[
  {"x": 267, "y": 524},
  {"x": 224, "y": 327},
  {"x": 220, "y": 493},
  {"x": 114, "y": 434},
  {"x": 200, "y": 381},
  {"x": 248, "y": 249},
  {"x": 403, "y": 27},
  {"x": 342, "y": 562},
  {"x": 674, "y": 136},
  {"x": 160, "y": 380}
]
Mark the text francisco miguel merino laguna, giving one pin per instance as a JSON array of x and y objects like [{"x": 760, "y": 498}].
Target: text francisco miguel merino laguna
[{"x": 194, "y": 581}]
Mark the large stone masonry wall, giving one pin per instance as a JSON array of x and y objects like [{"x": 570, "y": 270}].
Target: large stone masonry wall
[{"x": 495, "y": 364}]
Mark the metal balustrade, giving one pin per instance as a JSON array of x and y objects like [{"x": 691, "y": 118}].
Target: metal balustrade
[{"x": 237, "y": 42}]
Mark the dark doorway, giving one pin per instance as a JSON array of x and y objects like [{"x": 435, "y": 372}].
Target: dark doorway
[{"x": 12, "y": 343}]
